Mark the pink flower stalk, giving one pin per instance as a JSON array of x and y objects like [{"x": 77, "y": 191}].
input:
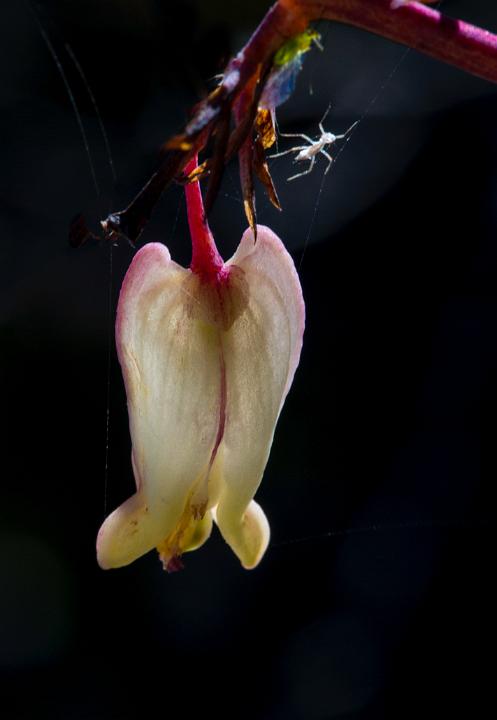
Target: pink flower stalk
[
  {"x": 208, "y": 355},
  {"x": 414, "y": 24},
  {"x": 244, "y": 80}
]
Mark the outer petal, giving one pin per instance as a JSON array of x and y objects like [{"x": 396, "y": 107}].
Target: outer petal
[
  {"x": 261, "y": 352},
  {"x": 170, "y": 358}
]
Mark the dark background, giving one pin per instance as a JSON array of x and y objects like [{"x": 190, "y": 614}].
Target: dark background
[{"x": 375, "y": 598}]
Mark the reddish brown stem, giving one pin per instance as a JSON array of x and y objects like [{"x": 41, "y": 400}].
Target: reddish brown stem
[
  {"x": 458, "y": 43},
  {"x": 453, "y": 41}
]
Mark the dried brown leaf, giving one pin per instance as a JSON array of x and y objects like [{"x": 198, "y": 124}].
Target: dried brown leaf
[
  {"x": 264, "y": 127},
  {"x": 262, "y": 172}
]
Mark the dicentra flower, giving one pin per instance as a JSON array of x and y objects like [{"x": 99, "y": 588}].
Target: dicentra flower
[{"x": 208, "y": 355}]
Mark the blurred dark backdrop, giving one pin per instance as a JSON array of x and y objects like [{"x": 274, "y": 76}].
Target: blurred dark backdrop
[{"x": 388, "y": 435}]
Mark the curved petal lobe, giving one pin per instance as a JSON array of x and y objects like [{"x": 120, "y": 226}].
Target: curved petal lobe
[
  {"x": 170, "y": 358},
  {"x": 261, "y": 351}
]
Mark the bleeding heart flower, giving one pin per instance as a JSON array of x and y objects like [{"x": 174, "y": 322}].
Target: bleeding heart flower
[{"x": 208, "y": 355}]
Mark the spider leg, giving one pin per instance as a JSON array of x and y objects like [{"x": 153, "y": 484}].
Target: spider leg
[
  {"x": 299, "y": 135},
  {"x": 285, "y": 152},
  {"x": 329, "y": 158},
  {"x": 323, "y": 119},
  {"x": 340, "y": 137},
  {"x": 306, "y": 172}
]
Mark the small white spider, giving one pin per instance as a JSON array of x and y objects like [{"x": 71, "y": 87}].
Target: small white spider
[{"x": 314, "y": 147}]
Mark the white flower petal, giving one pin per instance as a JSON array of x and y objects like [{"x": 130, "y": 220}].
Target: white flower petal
[
  {"x": 170, "y": 358},
  {"x": 261, "y": 351}
]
